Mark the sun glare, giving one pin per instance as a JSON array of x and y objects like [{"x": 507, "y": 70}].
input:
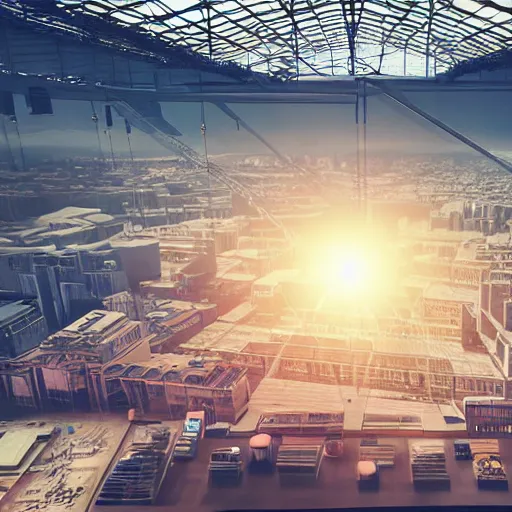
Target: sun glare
[
  {"x": 347, "y": 271},
  {"x": 360, "y": 269},
  {"x": 350, "y": 271}
]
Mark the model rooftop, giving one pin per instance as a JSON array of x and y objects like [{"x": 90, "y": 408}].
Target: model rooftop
[
  {"x": 414, "y": 352},
  {"x": 10, "y": 310},
  {"x": 95, "y": 322},
  {"x": 14, "y": 447},
  {"x": 444, "y": 292},
  {"x": 99, "y": 333},
  {"x": 205, "y": 371}
]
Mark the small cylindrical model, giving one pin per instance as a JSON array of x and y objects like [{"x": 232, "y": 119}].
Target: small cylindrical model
[
  {"x": 261, "y": 447},
  {"x": 334, "y": 448},
  {"x": 367, "y": 475}
]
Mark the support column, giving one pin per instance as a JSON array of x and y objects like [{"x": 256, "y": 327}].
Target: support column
[
  {"x": 361, "y": 175},
  {"x": 365, "y": 183},
  {"x": 429, "y": 34},
  {"x": 358, "y": 149},
  {"x": 209, "y": 19}
]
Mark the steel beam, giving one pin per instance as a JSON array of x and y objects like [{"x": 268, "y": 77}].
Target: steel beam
[
  {"x": 328, "y": 91},
  {"x": 399, "y": 98},
  {"x": 224, "y": 108},
  {"x": 151, "y": 111}
]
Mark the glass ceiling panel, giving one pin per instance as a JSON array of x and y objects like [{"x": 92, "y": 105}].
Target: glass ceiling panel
[{"x": 287, "y": 38}]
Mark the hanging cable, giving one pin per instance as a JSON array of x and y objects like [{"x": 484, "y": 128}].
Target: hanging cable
[
  {"x": 203, "y": 131},
  {"x": 128, "y": 133},
  {"x": 22, "y": 152},
  {"x": 95, "y": 120},
  {"x": 141, "y": 203},
  {"x": 111, "y": 150},
  {"x": 358, "y": 148},
  {"x": 12, "y": 160},
  {"x": 134, "y": 201},
  {"x": 365, "y": 170},
  {"x": 128, "y": 128},
  {"x": 108, "y": 118}
]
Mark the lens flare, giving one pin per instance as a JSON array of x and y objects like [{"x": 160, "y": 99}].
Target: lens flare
[
  {"x": 348, "y": 270},
  {"x": 359, "y": 269}
]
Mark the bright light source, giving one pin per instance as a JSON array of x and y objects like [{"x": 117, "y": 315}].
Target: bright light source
[
  {"x": 351, "y": 271},
  {"x": 361, "y": 269},
  {"x": 346, "y": 271}
]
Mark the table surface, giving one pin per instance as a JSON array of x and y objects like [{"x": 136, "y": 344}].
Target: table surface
[{"x": 186, "y": 485}]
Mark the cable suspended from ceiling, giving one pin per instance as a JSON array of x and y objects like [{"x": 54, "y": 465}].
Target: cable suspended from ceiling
[
  {"x": 14, "y": 120},
  {"x": 205, "y": 144},
  {"x": 95, "y": 120},
  {"x": 128, "y": 128},
  {"x": 361, "y": 143},
  {"x": 12, "y": 160},
  {"x": 208, "y": 174},
  {"x": 109, "y": 123}
]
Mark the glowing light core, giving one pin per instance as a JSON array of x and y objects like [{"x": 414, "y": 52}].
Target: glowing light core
[
  {"x": 360, "y": 269},
  {"x": 347, "y": 271},
  {"x": 351, "y": 271}
]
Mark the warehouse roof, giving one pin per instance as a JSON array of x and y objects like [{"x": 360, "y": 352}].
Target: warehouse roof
[{"x": 312, "y": 38}]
